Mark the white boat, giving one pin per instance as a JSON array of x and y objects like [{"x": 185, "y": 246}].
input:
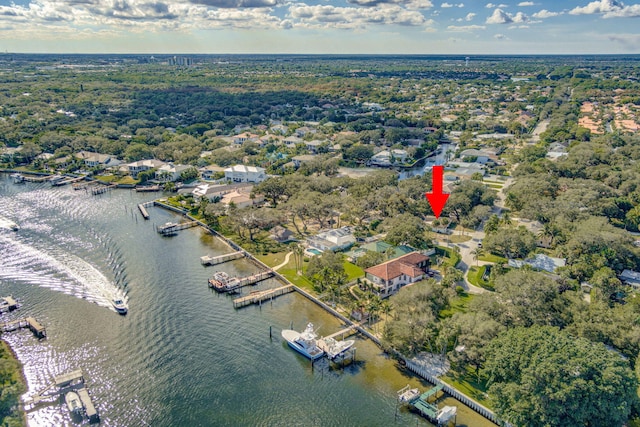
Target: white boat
[
  {"x": 336, "y": 348},
  {"x": 120, "y": 306},
  {"x": 304, "y": 343},
  {"x": 17, "y": 178},
  {"x": 222, "y": 282},
  {"x": 407, "y": 394},
  {"x": 73, "y": 402},
  {"x": 14, "y": 226}
]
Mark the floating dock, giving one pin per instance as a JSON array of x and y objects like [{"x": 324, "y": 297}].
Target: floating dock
[
  {"x": 28, "y": 322},
  {"x": 172, "y": 228},
  {"x": 258, "y": 297},
  {"x": 7, "y": 304},
  {"x": 89, "y": 409},
  {"x": 209, "y": 260}
]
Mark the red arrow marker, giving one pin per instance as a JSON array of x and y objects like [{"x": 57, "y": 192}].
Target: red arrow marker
[{"x": 437, "y": 198}]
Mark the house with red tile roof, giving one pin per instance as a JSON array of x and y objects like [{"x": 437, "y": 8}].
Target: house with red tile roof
[{"x": 390, "y": 276}]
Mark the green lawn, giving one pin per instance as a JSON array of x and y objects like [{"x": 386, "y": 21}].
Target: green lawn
[
  {"x": 492, "y": 258},
  {"x": 273, "y": 259},
  {"x": 458, "y": 305},
  {"x": 469, "y": 386},
  {"x": 353, "y": 271},
  {"x": 475, "y": 277},
  {"x": 457, "y": 238},
  {"x": 451, "y": 257}
]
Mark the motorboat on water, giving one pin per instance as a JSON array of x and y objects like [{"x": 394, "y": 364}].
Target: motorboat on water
[
  {"x": 335, "y": 348},
  {"x": 305, "y": 342},
  {"x": 14, "y": 226},
  {"x": 222, "y": 282},
  {"x": 120, "y": 306},
  {"x": 73, "y": 402}
]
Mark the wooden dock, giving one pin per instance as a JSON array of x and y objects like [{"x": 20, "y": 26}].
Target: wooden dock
[
  {"x": 62, "y": 182},
  {"x": 258, "y": 297},
  {"x": 172, "y": 228},
  {"x": 36, "y": 178},
  {"x": 7, "y": 304},
  {"x": 209, "y": 260},
  {"x": 143, "y": 211},
  {"x": 344, "y": 332},
  {"x": 103, "y": 189},
  {"x": 249, "y": 280},
  {"x": 148, "y": 188},
  {"x": 28, "y": 322},
  {"x": 63, "y": 383}
]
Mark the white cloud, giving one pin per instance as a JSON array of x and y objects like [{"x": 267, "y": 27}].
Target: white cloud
[
  {"x": 320, "y": 16},
  {"x": 500, "y": 36},
  {"x": 501, "y": 17},
  {"x": 493, "y": 5},
  {"x": 466, "y": 28},
  {"x": 544, "y": 13},
  {"x": 446, "y": 5},
  {"x": 526, "y": 3},
  {"x": 600, "y": 6},
  {"x": 469, "y": 17},
  {"x": 608, "y": 9}
]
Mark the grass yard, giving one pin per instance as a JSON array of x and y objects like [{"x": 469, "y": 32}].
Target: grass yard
[
  {"x": 274, "y": 259},
  {"x": 469, "y": 385},
  {"x": 353, "y": 271},
  {"x": 458, "y": 238},
  {"x": 475, "y": 277},
  {"x": 492, "y": 258},
  {"x": 458, "y": 305}
]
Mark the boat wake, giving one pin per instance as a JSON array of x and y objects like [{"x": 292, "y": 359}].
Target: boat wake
[
  {"x": 6, "y": 223},
  {"x": 60, "y": 271}
]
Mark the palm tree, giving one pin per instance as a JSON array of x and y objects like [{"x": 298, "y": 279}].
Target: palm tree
[
  {"x": 477, "y": 253},
  {"x": 550, "y": 231}
]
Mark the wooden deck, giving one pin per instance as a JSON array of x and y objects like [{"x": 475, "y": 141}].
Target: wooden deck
[
  {"x": 171, "y": 228},
  {"x": 28, "y": 322},
  {"x": 258, "y": 297}
]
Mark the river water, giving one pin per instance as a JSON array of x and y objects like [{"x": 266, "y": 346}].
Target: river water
[{"x": 182, "y": 356}]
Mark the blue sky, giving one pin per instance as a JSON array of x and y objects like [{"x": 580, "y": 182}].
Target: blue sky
[{"x": 320, "y": 26}]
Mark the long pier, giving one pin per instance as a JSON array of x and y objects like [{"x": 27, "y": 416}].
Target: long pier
[
  {"x": 28, "y": 322},
  {"x": 258, "y": 297},
  {"x": 143, "y": 211},
  {"x": 209, "y": 260},
  {"x": 62, "y": 182},
  {"x": 171, "y": 228},
  {"x": 35, "y": 178}
]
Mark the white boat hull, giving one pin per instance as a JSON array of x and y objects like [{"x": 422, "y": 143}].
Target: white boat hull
[{"x": 292, "y": 336}]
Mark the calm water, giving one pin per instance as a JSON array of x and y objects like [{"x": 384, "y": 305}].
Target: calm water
[{"x": 182, "y": 356}]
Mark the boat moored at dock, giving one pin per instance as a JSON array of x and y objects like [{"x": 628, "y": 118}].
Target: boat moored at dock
[
  {"x": 222, "y": 282},
  {"x": 304, "y": 343},
  {"x": 335, "y": 348},
  {"x": 73, "y": 402}
]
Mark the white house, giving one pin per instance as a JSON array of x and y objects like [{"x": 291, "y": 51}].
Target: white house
[
  {"x": 389, "y": 157},
  {"x": 390, "y": 276},
  {"x": 213, "y": 192},
  {"x": 332, "y": 240},
  {"x": 170, "y": 172},
  {"x": 242, "y": 173},
  {"x": 96, "y": 159},
  {"x": 243, "y": 137},
  {"x": 142, "y": 165}
]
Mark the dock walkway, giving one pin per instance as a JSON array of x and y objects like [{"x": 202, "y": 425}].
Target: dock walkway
[
  {"x": 171, "y": 228},
  {"x": 28, "y": 322},
  {"x": 258, "y": 297},
  {"x": 209, "y": 260},
  {"x": 238, "y": 283}
]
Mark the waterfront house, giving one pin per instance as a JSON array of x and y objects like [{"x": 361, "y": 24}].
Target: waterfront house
[
  {"x": 281, "y": 234},
  {"x": 387, "y": 158},
  {"x": 388, "y": 277},
  {"x": 210, "y": 172},
  {"x": 242, "y": 173},
  {"x": 241, "y": 198},
  {"x": 135, "y": 168},
  {"x": 540, "y": 262},
  {"x": 332, "y": 240},
  {"x": 215, "y": 192},
  {"x": 93, "y": 160},
  {"x": 170, "y": 172}
]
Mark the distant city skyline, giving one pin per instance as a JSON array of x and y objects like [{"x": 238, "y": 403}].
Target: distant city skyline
[{"x": 322, "y": 27}]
